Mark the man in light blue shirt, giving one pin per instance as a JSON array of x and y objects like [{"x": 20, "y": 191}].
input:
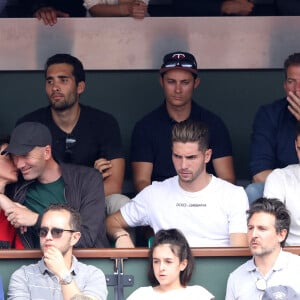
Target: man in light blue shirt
[
  {"x": 58, "y": 275},
  {"x": 270, "y": 267}
]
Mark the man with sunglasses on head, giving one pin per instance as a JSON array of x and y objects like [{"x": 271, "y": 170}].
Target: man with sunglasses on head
[
  {"x": 81, "y": 134},
  {"x": 271, "y": 271},
  {"x": 58, "y": 275},
  {"x": 151, "y": 139},
  {"x": 48, "y": 182}
]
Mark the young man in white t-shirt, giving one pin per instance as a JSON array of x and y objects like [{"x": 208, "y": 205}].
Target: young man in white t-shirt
[{"x": 208, "y": 210}]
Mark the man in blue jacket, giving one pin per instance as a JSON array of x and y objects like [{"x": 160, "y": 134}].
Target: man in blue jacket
[{"x": 274, "y": 129}]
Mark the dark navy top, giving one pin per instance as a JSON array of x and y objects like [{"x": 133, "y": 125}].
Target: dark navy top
[
  {"x": 273, "y": 138},
  {"x": 151, "y": 139}
]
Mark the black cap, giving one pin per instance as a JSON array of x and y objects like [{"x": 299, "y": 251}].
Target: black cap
[
  {"x": 179, "y": 60},
  {"x": 26, "y": 136}
]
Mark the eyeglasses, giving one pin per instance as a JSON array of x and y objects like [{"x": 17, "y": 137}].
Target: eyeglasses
[
  {"x": 55, "y": 232},
  {"x": 261, "y": 284},
  {"x": 70, "y": 143}
]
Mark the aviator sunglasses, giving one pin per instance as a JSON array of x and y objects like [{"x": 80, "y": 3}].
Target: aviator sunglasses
[
  {"x": 56, "y": 233},
  {"x": 70, "y": 144}
]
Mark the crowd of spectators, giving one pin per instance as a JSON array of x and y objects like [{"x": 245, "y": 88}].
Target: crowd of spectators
[
  {"x": 48, "y": 145},
  {"x": 50, "y": 10},
  {"x": 181, "y": 159}
]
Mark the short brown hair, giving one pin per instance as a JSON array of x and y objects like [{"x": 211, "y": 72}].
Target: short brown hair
[
  {"x": 191, "y": 131},
  {"x": 75, "y": 219},
  {"x": 293, "y": 59}
]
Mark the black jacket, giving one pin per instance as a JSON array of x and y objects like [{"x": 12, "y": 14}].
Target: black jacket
[{"x": 84, "y": 192}]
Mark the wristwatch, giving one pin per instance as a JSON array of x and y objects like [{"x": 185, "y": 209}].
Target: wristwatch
[{"x": 66, "y": 279}]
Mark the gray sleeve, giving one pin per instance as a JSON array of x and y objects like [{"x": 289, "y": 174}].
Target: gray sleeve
[
  {"x": 95, "y": 284},
  {"x": 18, "y": 288}
]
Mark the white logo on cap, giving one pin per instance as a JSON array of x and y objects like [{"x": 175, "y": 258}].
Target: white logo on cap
[{"x": 178, "y": 56}]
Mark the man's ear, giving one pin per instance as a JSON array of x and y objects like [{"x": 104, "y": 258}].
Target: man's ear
[
  {"x": 80, "y": 87},
  {"x": 47, "y": 152},
  {"x": 75, "y": 238},
  {"x": 197, "y": 82},
  {"x": 282, "y": 235},
  {"x": 207, "y": 155},
  {"x": 161, "y": 81}
]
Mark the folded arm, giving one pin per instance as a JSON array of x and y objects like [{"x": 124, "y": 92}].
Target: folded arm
[
  {"x": 135, "y": 9},
  {"x": 237, "y": 7}
]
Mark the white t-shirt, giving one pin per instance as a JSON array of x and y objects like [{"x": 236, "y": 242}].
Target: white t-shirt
[
  {"x": 284, "y": 184},
  {"x": 90, "y": 3},
  {"x": 194, "y": 292},
  {"x": 206, "y": 218}
]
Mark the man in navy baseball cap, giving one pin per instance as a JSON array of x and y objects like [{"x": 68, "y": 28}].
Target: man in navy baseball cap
[
  {"x": 151, "y": 149},
  {"x": 179, "y": 60}
]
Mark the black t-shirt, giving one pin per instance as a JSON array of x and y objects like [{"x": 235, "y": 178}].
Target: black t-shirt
[{"x": 96, "y": 134}]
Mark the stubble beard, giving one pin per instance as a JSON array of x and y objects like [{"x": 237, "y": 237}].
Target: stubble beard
[
  {"x": 262, "y": 252},
  {"x": 62, "y": 106}
]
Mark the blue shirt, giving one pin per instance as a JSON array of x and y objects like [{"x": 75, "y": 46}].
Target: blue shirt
[
  {"x": 241, "y": 282},
  {"x": 36, "y": 281},
  {"x": 151, "y": 140},
  {"x": 273, "y": 138},
  {"x": 2, "y": 13}
]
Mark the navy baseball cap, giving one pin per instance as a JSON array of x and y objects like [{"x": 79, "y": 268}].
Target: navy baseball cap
[
  {"x": 179, "y": 60},
  {"x": 26, "y": 136}
]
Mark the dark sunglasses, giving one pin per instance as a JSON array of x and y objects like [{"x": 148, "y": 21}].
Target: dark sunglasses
[
  {"x": 55, "y": 232},
  {"x": 179, "y": 63},
  {"x": 70, "y": 143}
]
